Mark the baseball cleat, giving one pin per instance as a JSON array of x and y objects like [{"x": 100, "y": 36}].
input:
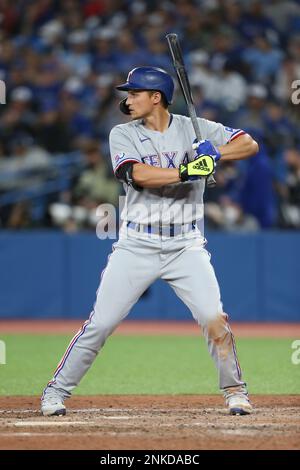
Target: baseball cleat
[
  {"x": 238, "y": 403},
  {"x": 52, "y": 405}
]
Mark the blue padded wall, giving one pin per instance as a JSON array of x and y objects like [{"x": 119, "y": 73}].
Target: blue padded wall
[{"x": 55, "y": 275}]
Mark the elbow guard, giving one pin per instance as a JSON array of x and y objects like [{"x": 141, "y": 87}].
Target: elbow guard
[{"x": 124, "y": 174}]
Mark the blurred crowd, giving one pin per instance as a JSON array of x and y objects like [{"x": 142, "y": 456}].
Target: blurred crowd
[{"x": 60, "y": 61}]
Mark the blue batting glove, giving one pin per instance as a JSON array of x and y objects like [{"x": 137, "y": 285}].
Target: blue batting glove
[{"x": 205, "y": 147}]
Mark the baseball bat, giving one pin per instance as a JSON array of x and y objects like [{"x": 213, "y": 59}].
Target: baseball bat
[{"x": 184, "y": 83}]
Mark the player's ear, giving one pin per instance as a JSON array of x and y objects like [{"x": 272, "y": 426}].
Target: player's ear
[{"x": 156, "y": 97}]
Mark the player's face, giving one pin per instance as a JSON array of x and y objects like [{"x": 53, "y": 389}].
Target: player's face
[{"x": 140, "y": 103}]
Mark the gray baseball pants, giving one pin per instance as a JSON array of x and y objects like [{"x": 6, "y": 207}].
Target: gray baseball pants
[{"x": 135, "y": 263}]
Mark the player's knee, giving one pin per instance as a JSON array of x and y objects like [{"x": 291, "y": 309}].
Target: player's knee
[
  {"x": 210, "y": 312},
  {"x": 217, "y": 326},
  {"x": 211, "y": 315}
]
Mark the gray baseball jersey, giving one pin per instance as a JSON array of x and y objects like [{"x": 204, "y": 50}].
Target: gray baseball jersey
[{"x": 179, "y": 203}]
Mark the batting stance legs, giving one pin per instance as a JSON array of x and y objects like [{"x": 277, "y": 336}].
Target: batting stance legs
[{"x": 132, "y": 267}]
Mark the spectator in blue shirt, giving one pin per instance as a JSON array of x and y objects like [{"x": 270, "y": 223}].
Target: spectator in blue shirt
[
  {"x": 257, "y": 196},
  {"x": 263, "y": 59}
]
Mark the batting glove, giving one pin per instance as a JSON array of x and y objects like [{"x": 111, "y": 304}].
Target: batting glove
[
  {"x": 202, "y": 166},
  {"x": 205, "y": 147}
]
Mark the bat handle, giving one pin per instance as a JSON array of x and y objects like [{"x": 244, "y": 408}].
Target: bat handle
[{"x": 211, "y": 182}]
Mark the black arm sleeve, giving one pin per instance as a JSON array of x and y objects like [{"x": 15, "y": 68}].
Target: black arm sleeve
[{"x": 124, "y": 174}]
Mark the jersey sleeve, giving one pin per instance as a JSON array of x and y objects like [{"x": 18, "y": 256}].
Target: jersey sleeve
[
  {"x": 122, "y": 149},
  {"x": 219, "y": 134}
]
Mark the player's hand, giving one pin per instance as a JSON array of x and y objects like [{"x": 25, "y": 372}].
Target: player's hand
[
  {"x": 205, "y": 147},
  {"x": 204, "y": 164},
  {"x": 201, "y": 167}
]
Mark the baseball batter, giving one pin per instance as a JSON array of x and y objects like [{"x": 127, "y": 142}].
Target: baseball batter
[{"x": 163, "y": 171}]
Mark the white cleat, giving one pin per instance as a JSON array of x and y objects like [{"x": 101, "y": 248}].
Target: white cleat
[
  {"x": 53, "y": 405},
  {"x": 239, "y": 405},
  {"x": 238, "y": 402}
]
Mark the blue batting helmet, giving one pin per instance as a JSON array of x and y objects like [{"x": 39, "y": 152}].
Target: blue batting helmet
[{"x": 149, "y": 78}]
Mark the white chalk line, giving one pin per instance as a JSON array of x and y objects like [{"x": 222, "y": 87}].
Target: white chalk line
[
  {"x": 207, "y": 426},
  {"x": 62, "y": 421},
  {"x": 55, "y": 434},
  {"x": 25, "y": 424}
]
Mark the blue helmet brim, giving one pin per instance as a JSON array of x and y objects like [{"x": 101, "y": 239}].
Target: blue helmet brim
[{"x": 129, "y": 86}]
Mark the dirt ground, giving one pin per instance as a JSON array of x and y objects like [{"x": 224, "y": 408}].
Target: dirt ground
[{"x": 151, "y": 422}]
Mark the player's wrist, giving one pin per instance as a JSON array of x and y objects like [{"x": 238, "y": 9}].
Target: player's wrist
[
  {"x": 183, "y": 172},
  {"x": 218, "y": 155}
]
